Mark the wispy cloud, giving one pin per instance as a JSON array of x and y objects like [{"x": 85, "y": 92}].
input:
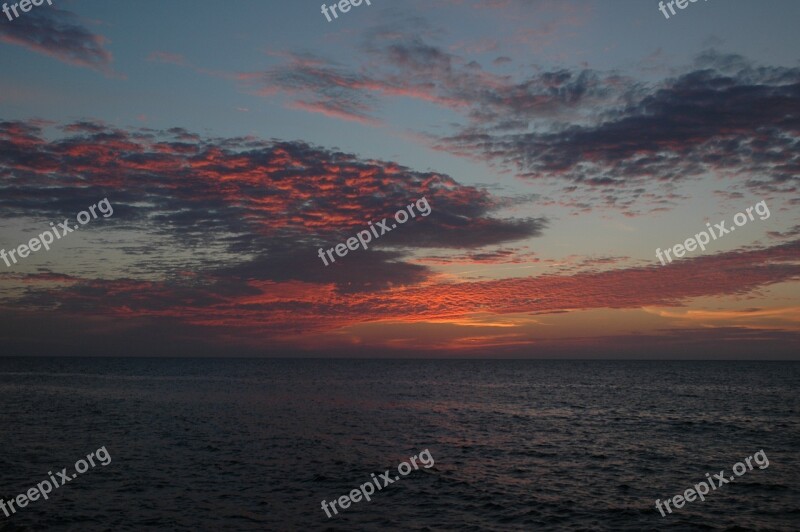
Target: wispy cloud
[
  {"x": 624, "y": 142},
  {"x": 58, "y": 33}
]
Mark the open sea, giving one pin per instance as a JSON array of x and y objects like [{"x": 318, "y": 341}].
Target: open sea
[{"x": 252, "y": 444}]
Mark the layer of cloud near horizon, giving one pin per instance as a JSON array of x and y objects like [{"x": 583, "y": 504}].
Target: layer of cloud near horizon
[{"x": 228, "y": 231}]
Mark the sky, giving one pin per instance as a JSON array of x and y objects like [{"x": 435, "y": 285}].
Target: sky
[{"x": 562, "y": 147}]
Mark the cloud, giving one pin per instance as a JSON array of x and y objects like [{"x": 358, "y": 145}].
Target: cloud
[
  {"x": 258, "y": 210},
  {"x": 57, "y": 33},
  {"x": 689, "y": 343},
  {"x": 404, "y": 64},
  {"x": 628, "y": 155},
  {"x": 283, "y": 312},
  {"x": 625, "y": 142},
  {"x": 704, "y": 121},
  {"x": 228, "y": 230}
]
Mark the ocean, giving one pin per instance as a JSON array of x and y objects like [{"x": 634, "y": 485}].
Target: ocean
[{"x": 252, "y": 444}]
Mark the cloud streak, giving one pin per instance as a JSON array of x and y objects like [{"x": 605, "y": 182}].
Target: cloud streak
[
  {"x": 624, "y": 142},
  {"x": 57, "y": 33}
]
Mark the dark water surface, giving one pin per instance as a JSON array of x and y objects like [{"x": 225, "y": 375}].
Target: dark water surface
[{"x": 518, "y": 445}]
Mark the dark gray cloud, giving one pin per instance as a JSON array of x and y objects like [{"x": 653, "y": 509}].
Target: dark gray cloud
[
  {"x": 260, "y": 208},
  {"x": 625, "y": 142},
  {"x": 58, "y": 33}
]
